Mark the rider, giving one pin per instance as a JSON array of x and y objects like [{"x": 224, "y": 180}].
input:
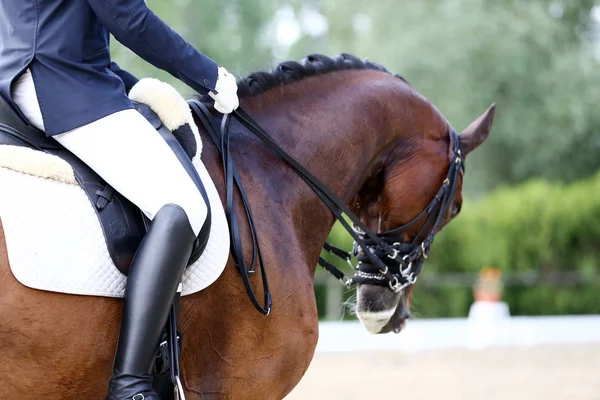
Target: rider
[{"x": 56, "y": 72}]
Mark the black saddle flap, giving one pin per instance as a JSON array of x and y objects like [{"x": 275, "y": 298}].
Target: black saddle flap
[{"x": 11, "y": 121}]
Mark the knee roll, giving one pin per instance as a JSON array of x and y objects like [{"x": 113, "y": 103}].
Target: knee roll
[{"x": 174, "y": 218}]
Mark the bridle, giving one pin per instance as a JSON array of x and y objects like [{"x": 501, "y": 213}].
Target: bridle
[{"x": 383, "y": 258}]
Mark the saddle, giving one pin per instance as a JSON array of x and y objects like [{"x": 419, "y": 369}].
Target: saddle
[{"x": 122, "y": 223}]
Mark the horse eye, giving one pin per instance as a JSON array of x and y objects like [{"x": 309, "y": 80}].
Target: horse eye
[{"x": 455, "y": 210}]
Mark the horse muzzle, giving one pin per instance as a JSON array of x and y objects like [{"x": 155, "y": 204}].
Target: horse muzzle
[{"x": 381, "y": 310}]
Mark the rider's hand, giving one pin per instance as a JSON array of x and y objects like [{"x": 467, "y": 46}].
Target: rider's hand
[{"x": 226, "y": 99}]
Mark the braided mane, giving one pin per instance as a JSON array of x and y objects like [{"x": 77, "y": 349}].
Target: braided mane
[{"x": 291, "y": 71}]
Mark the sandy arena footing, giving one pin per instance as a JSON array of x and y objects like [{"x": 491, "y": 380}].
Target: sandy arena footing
[{"x": 548, "y": 372}]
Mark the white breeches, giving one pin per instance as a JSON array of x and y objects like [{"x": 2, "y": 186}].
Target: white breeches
[{"x": 128, "y": 153}]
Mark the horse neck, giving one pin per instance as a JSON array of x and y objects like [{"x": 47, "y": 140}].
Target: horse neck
[{"x": 333, "y": 125}]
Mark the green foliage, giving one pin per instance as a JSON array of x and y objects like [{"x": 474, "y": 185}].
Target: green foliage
[
  {"x": 551, "y": 300},
  {"x": 230, "y": 32},
  {"x": 441, "y": 302},
  {"x": 454, "y": 302},
  {"x": 533, "y": 58},
  {"x": 534, "y": 226}
]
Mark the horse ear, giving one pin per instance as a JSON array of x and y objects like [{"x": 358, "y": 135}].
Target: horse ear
[{"x": 473, "y": 135}]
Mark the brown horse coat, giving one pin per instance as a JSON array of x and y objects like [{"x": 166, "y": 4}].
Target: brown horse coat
[{"x": 347, "y": 125}]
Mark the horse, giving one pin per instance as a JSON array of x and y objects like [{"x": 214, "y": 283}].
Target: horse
[{"x": 365, "y": 133}]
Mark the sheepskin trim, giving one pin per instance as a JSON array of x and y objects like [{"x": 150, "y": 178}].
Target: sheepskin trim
[
  {"x": 36, "y": 163},
  {"x": 198, "y": 140},
  {"x": 164, "y": 100},
  {"x": 167, "y": 103}
]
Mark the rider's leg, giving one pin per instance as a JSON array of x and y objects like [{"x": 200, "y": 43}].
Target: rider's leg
[
  {"x": 151, "y": 286},
  {"x": 142, "y": 167},
  {"x": 131, "y": 156}
]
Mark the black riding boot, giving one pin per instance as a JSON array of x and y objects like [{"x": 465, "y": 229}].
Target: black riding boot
[{"x": 152, "y": 283}]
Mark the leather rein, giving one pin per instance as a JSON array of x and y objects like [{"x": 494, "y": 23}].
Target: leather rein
[{"x": 383, "y": 258}]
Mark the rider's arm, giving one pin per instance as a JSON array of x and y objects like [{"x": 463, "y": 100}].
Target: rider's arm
[
  {"x": 128, "y": 78},
  {"x": 138, "y": 28}
]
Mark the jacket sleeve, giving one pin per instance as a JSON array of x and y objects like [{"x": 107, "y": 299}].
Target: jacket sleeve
[
  {"x": 134, "y": 25},
  {"x": 128, "y": 79}
]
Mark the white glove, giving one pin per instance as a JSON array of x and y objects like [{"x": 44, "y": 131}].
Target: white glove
[{"x": 226, "y": 99}]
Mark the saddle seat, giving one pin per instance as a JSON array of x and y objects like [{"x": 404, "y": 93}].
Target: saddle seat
[{"x": 26, "y": 151}]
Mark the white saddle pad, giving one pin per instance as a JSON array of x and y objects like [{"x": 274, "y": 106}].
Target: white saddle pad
[{"x": 55, "y": 241}]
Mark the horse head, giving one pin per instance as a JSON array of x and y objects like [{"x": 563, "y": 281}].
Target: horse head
[
  {"x": 399, "y": 194},
  {"x": 384, "y": 149}
]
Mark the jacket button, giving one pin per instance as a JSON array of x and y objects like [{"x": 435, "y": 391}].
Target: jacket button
[{"x": 206, "y": 82}]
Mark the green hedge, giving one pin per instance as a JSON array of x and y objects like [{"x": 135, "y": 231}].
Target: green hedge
[
  {"x": 454, "y": 302},
  {"x": 534, "y": 226},
  {"x": 450, "y": 302},
  {"x": 537, "y": 226}
]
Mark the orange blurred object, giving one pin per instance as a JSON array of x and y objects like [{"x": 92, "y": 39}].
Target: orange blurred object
[{"x": 489, "y": 286}]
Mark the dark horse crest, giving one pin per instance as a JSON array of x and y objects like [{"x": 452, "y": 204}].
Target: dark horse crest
[{"x": 377, "y": 144}]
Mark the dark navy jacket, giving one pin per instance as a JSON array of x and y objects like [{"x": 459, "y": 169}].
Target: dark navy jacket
[{"x": 65, "y": 44}]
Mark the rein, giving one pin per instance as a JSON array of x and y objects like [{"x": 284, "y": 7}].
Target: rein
[{"x": 383, "y": 258}]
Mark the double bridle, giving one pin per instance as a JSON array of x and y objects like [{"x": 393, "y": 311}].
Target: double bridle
[{"x": 383, "y": 258}]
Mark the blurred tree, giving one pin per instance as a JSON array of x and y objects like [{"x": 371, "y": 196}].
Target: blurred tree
[
  {"x": 534, "y": 59},
  {"x": 228, "y": 31},
  {"x": 231, "y": 31}
]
